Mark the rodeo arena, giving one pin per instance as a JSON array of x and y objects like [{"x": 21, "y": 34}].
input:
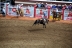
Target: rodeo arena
[{"x": 36, "y": 24}]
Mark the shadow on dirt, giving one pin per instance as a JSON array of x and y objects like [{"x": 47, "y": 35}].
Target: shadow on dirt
[{"x": 32, "y": 30}]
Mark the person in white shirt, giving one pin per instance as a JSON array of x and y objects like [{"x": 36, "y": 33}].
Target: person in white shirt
[{"x": 3, "y": 12}]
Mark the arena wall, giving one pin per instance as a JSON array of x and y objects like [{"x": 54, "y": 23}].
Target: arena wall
[{"x": 31, "y": 11}]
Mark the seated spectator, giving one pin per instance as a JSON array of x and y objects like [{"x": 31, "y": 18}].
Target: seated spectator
[
  {"x": 65, "y": 6},
  {"x": 59, "y": 7},
  {"x": 62, "y": 6},
  {"x": 70, "y": 7},
  {"x": 42, "y": 5},
  {"x": 46, "y": 5},
  {"x": 36, "y": 5},
  {"x": 54, "y": 7},
  {"x": 39, "y": 5},
  {"x": 51, "y": 5}
]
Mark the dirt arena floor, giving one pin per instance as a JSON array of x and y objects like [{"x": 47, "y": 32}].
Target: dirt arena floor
[{"x": 19, "y": 33}]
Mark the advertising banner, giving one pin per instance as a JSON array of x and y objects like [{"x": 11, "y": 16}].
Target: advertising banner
[
  {"x": 67, "y": 15},
  {"x": 41, "y": 13},
  {"x": 29, "y": 11},
  {"x": 12, "y": 10}
]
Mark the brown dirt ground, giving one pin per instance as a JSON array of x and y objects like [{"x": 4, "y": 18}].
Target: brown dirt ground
[{"x": 19, "y": 33}]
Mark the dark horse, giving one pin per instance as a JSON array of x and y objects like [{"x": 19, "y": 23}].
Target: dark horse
[
  {"x": 56, "y": 15},
  {"x": 41, "y": 21}
]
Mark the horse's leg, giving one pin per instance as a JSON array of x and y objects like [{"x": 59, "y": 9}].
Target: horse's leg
[
  {"x": 17, "y": 14},
  {"x": 47, "y": 21},
  {"x": 55, "y": 18},
  {"x": 38, "y": 23},
  {"x": 58, "y": 18},
  {"x": 44, "y": 25},
  {"x": 21, "y": 14}
]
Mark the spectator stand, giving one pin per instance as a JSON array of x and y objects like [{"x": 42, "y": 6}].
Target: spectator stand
[{"x": 40, "y": 10}]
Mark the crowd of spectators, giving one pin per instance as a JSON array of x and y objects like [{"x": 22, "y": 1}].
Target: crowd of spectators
[{"x": 53, "y": 6}]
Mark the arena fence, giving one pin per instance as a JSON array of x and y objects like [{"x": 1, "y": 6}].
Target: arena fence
[{"x": 31, "y": 11}]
